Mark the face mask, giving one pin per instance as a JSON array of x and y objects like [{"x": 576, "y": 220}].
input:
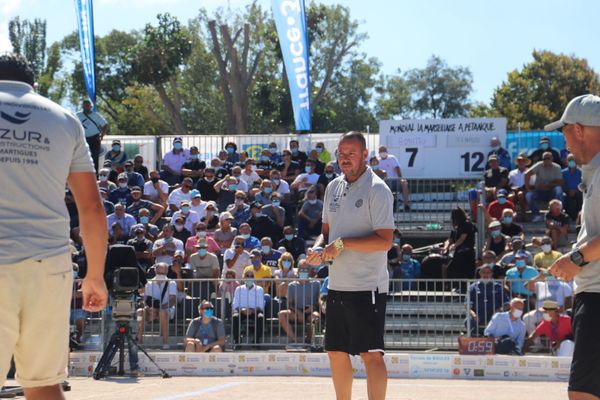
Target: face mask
[
  {"x": 193, "y": 156},
  {"x": 201, "y": 233},
  {"x": 289, "y": 237},
  {"x": 259, "y": 214},
  {"x": 286, "y": 264},
  {"x": 168, "y": 238},
  {"x": 397, "y": 240},
  {"x": 154, "y": 180},
  {"x": 160, "y": 277},
  {"x": 406, "y": 257},
  {"x": 116, "y": 148},
  {"x": 546, "y": 248},
  {"x": 501, "y": 200},
  {"x": 246, "y": 236},
  {"x": 249, "y": 282},
  {"x": 75, "y": 274},
  {"x": 103, "y": 178},
  {"x": 239, "y": 202},
  {"x": 129, "y": 170},
  {"x": 508, "y": 220},
  {"x": 294, "y": 150},
  {"x": 520, "y": 263},
  {"x": 308, "y": 168},
  {"x": 229, "y": 150},
  {"x": 185, "y": 209},
  {"x": 572, "y": 164},
  {"x": 139, "y": 238},
  {"x": 266, "y": 249},
  {"x": 383, "y": 154},
  {"x": 209, "y": 313},
  {"x": 544, "y": 146},
  {"x": 202, "y": 252},
  {"x": 273, "y": 150},
  {"x": 232, "y": 187},
  {"x": 374, "y": 167},
  {"x": 123, "y": 185},
  {"x": 207, "y": 179},
  {"x": 276, "y": 182},
  {"x": 547, "y": 317},
  {"x": 495, "y": 233},
  {"x": 144, "y": 220},
  {"x": 312, "y": 201},
  {"x": 329, "y": 176},
  {"x": 264, "y": 158},
  {"x": 255, "y": 262},
  {"x": 210, "y": 213},
  {"x": 517, "y": 313},
  {"x": 179, "y": 227},
  {"x": 276, "y": 203},
  {"x": 177, "y": 146},
  {"x": 303, "y": 274}
]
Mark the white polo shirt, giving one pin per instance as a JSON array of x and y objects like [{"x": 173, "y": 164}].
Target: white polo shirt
[
  {"x": 588, "y": 280},
  {"x": 41, "y": 143},
  {"x": 389, "y": 165},
  {"x": 356, "y": 210}
]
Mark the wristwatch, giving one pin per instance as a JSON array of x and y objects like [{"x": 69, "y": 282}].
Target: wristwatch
[
  {"x": 577, "y": 258},
  {"x": 338, "y": 244}
]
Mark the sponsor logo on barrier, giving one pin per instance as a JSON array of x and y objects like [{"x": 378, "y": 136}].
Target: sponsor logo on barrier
[
  {"x": 163, "y": 359},
  {"x": 456, "y": 371},
  {"x": 523, "y": 363},
  {"x": 489, "y": 362},
  {"x": 506, "y": 374},
  {"x": 467, "y": 371},
  {"x": 554, "y": 364},
  {"x": 478, "y": 372},
  {"x": 535, "y": 364},
  {"x": 457, "y": 361},
  {"x": 563, "y": 376}
]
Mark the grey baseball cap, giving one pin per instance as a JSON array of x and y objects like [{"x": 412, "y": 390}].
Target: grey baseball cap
[{"x": 584, "y": 110}]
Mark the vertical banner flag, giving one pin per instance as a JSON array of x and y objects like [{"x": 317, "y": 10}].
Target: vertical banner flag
[
  {"x": 85, "y": 21},
  {"x": 290, "y": 18}
]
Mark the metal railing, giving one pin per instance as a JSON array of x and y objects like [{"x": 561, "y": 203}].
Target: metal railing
[{"x": 420, "y": 314}]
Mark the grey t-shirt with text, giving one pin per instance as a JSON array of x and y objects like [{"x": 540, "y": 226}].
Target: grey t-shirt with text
[
  {"x": 41, "y": 143},
  {"x": 357, "y": 210}
]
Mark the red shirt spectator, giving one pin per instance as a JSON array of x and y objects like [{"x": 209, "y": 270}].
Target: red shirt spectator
[
  {"x": 555, "y": 333},
  {"x": 495, "y": 208}
]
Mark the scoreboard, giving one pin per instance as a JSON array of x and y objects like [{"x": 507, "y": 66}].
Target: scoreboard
[{"x": 441, "y": 148}]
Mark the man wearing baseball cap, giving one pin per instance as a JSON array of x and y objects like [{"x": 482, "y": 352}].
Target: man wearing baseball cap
[
  {"x": 173, "y": 161},
  {"x": 580, "y": 125},
  {"x": 495, "y": 178},
  {"x": 545, "y": 146}
]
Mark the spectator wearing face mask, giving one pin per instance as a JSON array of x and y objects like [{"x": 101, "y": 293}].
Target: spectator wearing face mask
[
  {"x": 190, "y": 217},
  {"x": 324, "y": 154},
  {"x": 133, "y": 178},
  {"x": 292, "y": 243},
  {"x": 206, "y": 185},
  {"x": 263, "y": 195},
  {"x": 557, "y": 224},
  {"x": 257, "y": 226},
  {"x": 236, "y": 172},
  {"x": 495, "y": 177},
  {"x": 509, "y": 227},
  {"x": 232, "y": 155},
  {"x": 298, "y": 156},
  {"x": 516, "y": 246},
  {"x": 201, "y": 235},
  {"x": 122, "y": 194},
  {"x": 151, "y": 230},
  {"x": 545, "y": 147},
  {"x": 274, "y": 210},
  {"x": 205, "y": 334},
  {"x": 226, "y": 232},
  {"x": 205, "y": 265},
  {"x": 165, "y": 247},
  {"x": 181, "y": 194},
  {"x": 556, "y": 328},
  {"x": 248, "y": 309},
  {"x": 212, "y": 217},
  {"x": 489, "y": 258},
  {"x": 270, "y": 256},
  {"x": 103, "y": 181},
  {"x": 407, "y": 271},
  {"x": 236, "y": 258},
  {"x": 193, "y": 167},
  {"x": 274, "y": 153},
  {"x": 262, "y": 273},
  {"x": 156, "y": 190},
  {"x": 138, "y": 204},
  {"x": 226, "y": 189},
  {"x": 389, "y": 165},
  {"x": 517, "y": 277},
  {"x": 548, "y": 184},
  {"x": 496, "y": 241},
  {"x": 116, "y": 155},
  {"x": 326, "y": 177},
  {"x": 142, "y": 246},
  {"x": 547, "y": 256},
  {"x": 496, "y": 207},
  {"x": 160, "y": 295},
  {"x": 571, "y": 179},
  {"x": 486, "y": 297},
  {"x": 249, "y": 174},
  {"x": 508, "y": 329},
  {"x": 265, "y": 164},
  {"x": 500, "y": 152},
  {"x": 139, "y": 167},
  {"x": 302, "y": 305},
  {"x": 282, "y": 278},
  {"x": 125, "y": 221},
  {"x": 288, "y": 168},
  {"x": 309, "y": 216},
  {"x": 239, "y": 209},
  {"x": 173, "y": 161},
  {"x": 307, "y": 179},
  {"x": 179, "y": 230}
]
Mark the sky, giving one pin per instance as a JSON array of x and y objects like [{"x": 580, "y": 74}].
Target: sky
[{"x": 490, "y": 37}]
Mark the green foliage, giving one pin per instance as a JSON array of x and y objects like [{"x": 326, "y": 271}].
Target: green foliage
[
  {"x": 394, "y": 97},
  {"x": 537, "y": 94},
  {"x": 28, "y": 38}
]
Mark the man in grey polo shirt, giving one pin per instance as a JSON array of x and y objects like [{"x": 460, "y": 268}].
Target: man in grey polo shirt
[
  {"x": 580, "y": 125},
  {"x": 42, "y": 147},
  {"x": 358, "y": 227}
]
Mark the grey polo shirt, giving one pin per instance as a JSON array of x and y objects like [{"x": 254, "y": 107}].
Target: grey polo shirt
[
  {"x": 588, "y": 280},
  {"x": 356, "y": 210},
  {"x": 41, "y": 143}
]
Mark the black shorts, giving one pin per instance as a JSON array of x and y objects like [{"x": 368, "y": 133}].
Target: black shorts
[
  {"x": 585, "y": 367},
  {"x": 355, "y": 322}
]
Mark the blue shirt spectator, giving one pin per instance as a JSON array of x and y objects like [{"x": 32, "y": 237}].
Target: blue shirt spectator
[
  {"x": 486, "y": 298},
  {"x": 502, "y": 325},
  {"x": 251, "y": 243},
  {"x": 407, "y": 271},
  {"x": 503, "y": 157},
  {"x": 518, "y": 276},
  {"x": 571, "y": 177},
  {"x": 125, "y": 220}
]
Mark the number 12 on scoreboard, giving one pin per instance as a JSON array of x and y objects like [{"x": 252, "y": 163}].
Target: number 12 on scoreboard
[{"x": 473, "y": 161}]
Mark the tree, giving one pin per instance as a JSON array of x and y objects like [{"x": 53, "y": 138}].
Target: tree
[
  {"x": 537, "y": 94},
  {"x": 394, "y": 97},
  {"x": 28, "y": 38},
  {"x": 440, "y": 91},
  {"x": 156, "y": 61}
]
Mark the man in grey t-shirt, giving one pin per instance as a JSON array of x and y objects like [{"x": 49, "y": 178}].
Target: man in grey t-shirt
[
  {"x": 357, "y": 232},
  {"x": 580, "y": 124},
  {"x": 548, "y": 183},
  {"x": 42, "y": 147}
]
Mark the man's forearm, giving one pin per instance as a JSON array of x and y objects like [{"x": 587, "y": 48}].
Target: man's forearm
[{"x": 367, "y": 244}]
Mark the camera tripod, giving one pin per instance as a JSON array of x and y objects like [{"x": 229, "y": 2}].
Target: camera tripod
[{"x": 117, "y": 343}]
